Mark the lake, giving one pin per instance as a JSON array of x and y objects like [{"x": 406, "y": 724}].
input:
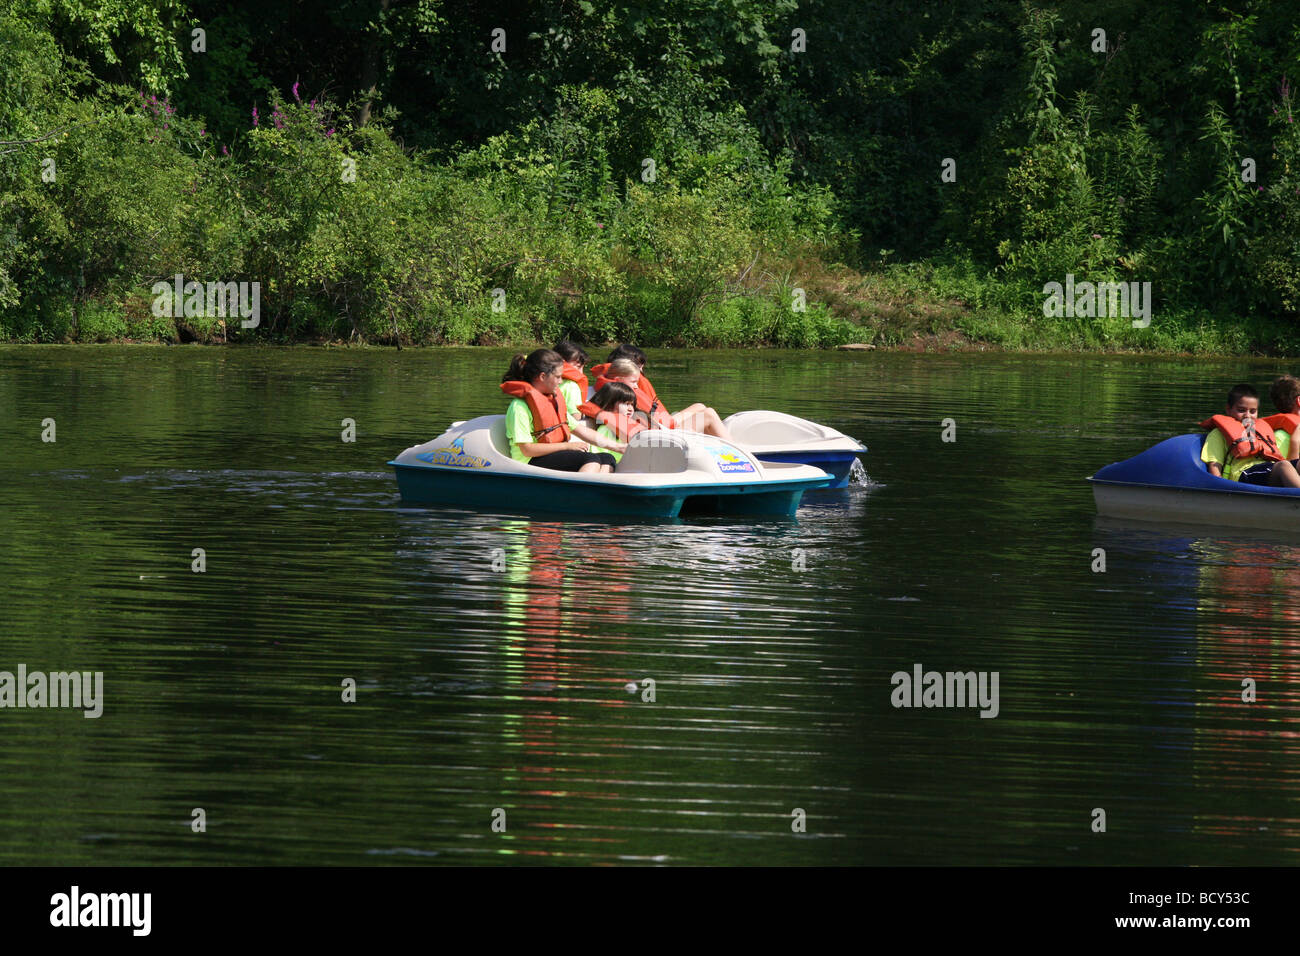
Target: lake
[{"x": 503, "y": 709}]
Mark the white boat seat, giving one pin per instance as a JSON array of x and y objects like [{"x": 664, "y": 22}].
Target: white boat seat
[
  {"x": 498, "y": 435},
  {"x": 653, "y": 452},
  {"x": 763, "y": 429}
]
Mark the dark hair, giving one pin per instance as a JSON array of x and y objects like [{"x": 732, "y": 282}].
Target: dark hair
[
  {"x": 610, "y": 394},
  {"x": 571, "y": 352},
  {"x": 1284, "y": 391},
  {"x": 628, "y": 352},
  {"x": 526, "y": 368},
  {"x": 1241, "y": 391}
]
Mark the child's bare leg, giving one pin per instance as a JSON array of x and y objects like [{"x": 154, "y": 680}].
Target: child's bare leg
[
  {"x": 715, "y": 426},
  {"x": 1284, "y": 475},
  {"x": 593, "y": 467},
  {"x": 701, "y": 418},
  {"x": 688, "y": 417}
]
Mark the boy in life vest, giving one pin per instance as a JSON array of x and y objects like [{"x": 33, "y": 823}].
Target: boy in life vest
[
  {"x": 612, "y": 412},
  {"x": 1242, "y": 447},
  {"x": 1285, "y": 393},
  {"x": 575, "y": 388}
]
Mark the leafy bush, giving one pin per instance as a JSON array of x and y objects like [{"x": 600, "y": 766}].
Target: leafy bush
[{"x": 686, "y": 243}]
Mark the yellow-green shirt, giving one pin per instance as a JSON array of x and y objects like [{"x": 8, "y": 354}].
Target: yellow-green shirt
[
  {"x": 519, "y": 426},
  {"x": 573, "y": 396},
  {"x": 1215, "y": 450},
  {"x": 604, "y": 432}
]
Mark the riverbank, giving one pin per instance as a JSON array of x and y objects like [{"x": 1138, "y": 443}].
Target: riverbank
[{"x": 906, "y": 307}]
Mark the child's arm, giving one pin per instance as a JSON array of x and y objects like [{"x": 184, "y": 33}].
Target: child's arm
[
  {"x": 1214, "y": 453},
  {"x": 589, "y": 434}
]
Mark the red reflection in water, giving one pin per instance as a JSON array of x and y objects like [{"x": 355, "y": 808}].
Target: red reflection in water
[
  {"x": 1249, "y": 608},
  {"x": 1250, "y": 603},
  {"x": 566, "y": 605}
]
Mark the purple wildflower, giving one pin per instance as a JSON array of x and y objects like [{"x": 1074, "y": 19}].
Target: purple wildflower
[
  {"x": 295, "y": 92},
  {"x": 224, "y": 151},
  {"x": 254, "y": 115},
  {"x": 329, "y": 132},
  {"x": 203, "y": 132}
]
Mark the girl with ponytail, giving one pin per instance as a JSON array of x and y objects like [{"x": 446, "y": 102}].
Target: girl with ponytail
[{"x": 539, "y": 423}]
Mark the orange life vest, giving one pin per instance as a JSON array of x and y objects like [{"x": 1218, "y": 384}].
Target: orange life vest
[
  {"x": 646, "y": 399},
  {"x": 643, "y": 385},
  {"x": 550, "y": 415},
  {"x": 1285, "y": 421},
  {"x": 623, "y": 426},
  {"x": 1264, "y": 444},
  {"x": 572, "y": 374},
  {"x": 647, "y": 395}
]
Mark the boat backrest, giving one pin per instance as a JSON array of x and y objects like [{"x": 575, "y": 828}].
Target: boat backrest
[
  {"x": 773, "y": 428},
  {"x": 498, "y": 435},
  {"x": 654, "y": 452}
]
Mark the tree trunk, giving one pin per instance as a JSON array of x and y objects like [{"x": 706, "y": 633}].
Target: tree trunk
[{"x": 370, "y": 66}]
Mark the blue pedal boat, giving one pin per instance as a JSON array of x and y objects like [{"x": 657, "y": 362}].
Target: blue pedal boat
[
  {"x": 1169, "y": 482},
  {"x": 661, "y": 474},
  {"x": 777, "y": 437}
]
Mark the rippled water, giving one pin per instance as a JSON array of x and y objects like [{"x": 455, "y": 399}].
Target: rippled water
[{"x": 500, "y": 662}]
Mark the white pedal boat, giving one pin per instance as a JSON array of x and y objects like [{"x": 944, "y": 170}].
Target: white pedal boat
[
  {"x": 662, "y": 473},
  {"x": 775, "y": 437}
]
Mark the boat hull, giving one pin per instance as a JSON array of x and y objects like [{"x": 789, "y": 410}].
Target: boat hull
[
  {"x": 481, "y": 492},
  {"x": 838, "y": 465},
  {"x": 1187, "y": 506}
]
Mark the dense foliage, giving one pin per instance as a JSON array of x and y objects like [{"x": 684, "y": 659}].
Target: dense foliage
[{"x": 682, "y": 172}]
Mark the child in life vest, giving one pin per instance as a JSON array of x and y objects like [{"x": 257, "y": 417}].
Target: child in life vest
[
  {"x": 697, "y": 417},
  {"x": 624, "y": 372},
  {"x": 575, "y": 388},
  {"x": 539, "y": 423},
  {"x": 612, "y": 410},
  {"x": 1242, "y": 447},
  {"x": 1285, "y": 393}
]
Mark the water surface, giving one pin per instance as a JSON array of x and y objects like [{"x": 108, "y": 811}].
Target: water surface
[{"x": 492, "y": 653}]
